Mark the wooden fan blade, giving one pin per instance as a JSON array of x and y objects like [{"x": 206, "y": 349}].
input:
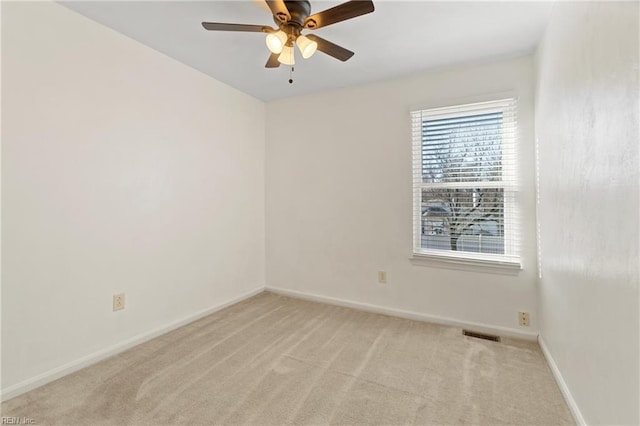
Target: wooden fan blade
[
  {"x": 279, "y": 10},
  {"x": 273, "y": 62},
  {"x": 342, "y": 12},
  {"x": 331, "y": 49},
  {"x": 217, "y": 26}
]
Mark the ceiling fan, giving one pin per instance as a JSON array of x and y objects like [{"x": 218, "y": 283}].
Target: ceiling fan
[{"x": 291, "y": 18}]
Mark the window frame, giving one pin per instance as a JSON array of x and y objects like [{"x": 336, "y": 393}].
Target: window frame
[{"x": 510, "y": 261}]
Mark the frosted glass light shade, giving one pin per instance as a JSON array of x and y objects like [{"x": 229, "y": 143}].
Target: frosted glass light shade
[
  {"x": 276, "y": 41},
  {"x": 286, "y": 57},
  {"x": 306, "y": 46}
]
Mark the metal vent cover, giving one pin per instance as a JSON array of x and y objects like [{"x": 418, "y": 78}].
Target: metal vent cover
[{"x": 483, "y": 336}]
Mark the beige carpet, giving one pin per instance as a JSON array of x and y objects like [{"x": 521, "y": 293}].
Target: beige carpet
[{"x": 273, "y": 360}]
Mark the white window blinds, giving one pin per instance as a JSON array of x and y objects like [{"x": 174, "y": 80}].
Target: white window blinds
[{"x": 465, "y": 181}]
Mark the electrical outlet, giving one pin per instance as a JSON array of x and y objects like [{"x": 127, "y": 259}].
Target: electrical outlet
[
  {"x": 382, "y": 277},
  {"x": 118, "y": 302},
  {"x": 523, "y": 318}
]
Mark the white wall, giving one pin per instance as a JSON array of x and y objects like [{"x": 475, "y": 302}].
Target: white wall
[
  {"x": 339, "y": 197},
  {"x": 122, "y": 171},
  {"x": 587, "y": 127}
]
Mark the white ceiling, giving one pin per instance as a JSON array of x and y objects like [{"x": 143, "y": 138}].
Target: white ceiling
[{"x": 399, "y": 38}]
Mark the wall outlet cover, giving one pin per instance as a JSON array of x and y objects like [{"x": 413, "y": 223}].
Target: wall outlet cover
[
  {"x": 523, "y": 318},
  {"x": 118, "y": 302}
]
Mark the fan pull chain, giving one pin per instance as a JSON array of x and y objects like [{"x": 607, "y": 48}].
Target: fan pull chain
[{"x": 291, "y": 75}]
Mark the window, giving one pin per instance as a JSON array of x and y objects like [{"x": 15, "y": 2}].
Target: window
[{"x": 465, "y": 183}]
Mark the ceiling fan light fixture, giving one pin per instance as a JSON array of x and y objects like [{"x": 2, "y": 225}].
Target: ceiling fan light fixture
[
  {"x": 286, "y": 57},
  {"x": 306, "y": 46},
  {"x": 276, "y": 41},
  {"x": 293, "y": 17}
]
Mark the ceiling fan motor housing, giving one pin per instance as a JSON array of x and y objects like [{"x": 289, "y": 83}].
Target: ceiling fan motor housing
[{"x": 299, "y": 11}]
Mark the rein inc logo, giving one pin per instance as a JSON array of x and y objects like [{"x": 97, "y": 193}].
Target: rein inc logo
[{"x": 18, "y": 421}]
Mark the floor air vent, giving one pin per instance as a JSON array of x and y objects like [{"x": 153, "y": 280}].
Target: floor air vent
[{"x": 481, "y": 335}]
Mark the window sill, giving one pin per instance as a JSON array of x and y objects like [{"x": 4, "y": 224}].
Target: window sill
[{"x": 503, "y": 267}]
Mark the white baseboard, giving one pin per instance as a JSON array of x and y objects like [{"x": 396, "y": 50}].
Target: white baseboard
[
  {"x": 573, "y": 407},
  {"x": 483, "y": 328},
  {"x": 63, "y": 370}
]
